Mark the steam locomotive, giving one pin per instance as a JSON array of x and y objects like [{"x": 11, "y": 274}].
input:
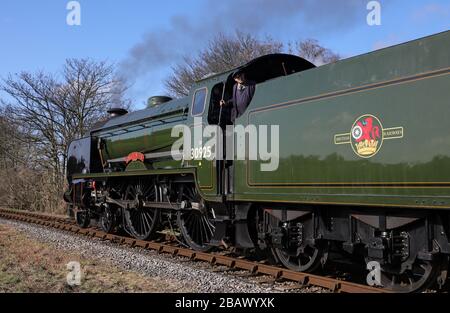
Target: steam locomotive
[{"x": 363, "y": 172}]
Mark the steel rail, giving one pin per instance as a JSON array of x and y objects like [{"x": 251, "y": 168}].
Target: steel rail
[{"x": 304, "y": 279}]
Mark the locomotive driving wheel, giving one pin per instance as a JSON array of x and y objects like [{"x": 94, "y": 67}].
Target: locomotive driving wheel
[
  {"x": 411, "y": 262},
  {"x": 418, "y": 277},
  {"x": 108, "y": 219},
  {"x": 306, "y": 259},
  {"x": 297, "y": 253},
  {"x": 140, "y": 221},
  {"x": 196, "y": 222}
]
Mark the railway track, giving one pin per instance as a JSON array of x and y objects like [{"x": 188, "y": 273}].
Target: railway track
[{"x": 232, "y": 263}]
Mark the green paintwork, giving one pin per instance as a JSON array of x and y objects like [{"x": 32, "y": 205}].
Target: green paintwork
[
  {"x": 206, "y": 169},
  {"x": 155, "y": 138},
  {"x": 403, "y": 86},
  {"x": 406, "y": 87}
]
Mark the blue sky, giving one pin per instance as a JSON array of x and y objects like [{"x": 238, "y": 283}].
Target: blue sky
[{"x": 147, "y": 37}]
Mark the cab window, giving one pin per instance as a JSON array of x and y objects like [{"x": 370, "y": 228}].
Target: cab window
[{"x": 198, "y": 104}]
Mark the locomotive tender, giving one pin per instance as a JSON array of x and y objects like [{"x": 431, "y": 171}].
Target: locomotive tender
[{"x": 363, "y": 173}]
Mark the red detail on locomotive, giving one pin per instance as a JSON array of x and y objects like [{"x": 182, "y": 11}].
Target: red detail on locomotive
[
  {"x": 135, "y": 156},
  {"x": 369, "y": 132}
]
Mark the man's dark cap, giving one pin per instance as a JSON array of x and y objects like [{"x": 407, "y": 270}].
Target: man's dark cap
[{"x": 238, "y": 73}]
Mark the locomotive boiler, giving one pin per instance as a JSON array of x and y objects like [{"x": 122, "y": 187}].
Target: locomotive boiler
[{"x": 363, "y": 171}]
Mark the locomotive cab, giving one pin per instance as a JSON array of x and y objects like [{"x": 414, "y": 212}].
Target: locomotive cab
[
  {"x": 216, "y": 176},
  {"x": 259, "y": 70}
]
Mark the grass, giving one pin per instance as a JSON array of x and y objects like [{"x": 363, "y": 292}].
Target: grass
[{"x": 27, "y": 265}]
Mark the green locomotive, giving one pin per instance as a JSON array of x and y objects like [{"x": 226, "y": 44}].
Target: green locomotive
[{"x": 362, "y": 173}]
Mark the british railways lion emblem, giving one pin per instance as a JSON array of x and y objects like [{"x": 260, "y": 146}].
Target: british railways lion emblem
[{"x": 367, "y": 135}]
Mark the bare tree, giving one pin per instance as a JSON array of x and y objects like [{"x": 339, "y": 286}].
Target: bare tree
[
  {"x": 89, "y": 89},
  {"x": 227, "y": 52},
  {"x": 222, "y": 53},
  {"x": 311, "y": 50},
  {"x": 25, "y": 184},
  {"x": 55, "y": 109},
  {"x": 35, "y": 109},
  {"x": 13, "y": 146}
]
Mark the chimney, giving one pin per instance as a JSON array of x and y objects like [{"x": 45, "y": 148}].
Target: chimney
[{"x": 157, "y": 100}]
